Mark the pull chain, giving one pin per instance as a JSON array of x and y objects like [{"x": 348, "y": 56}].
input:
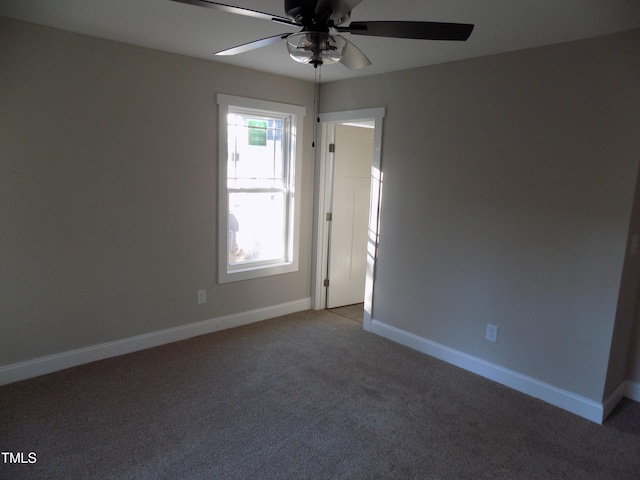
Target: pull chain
[{"x": 316, "y": 100}]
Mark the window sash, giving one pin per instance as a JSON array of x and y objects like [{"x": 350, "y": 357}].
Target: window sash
[
  {"x": 258, "y": 229},
  {"x": 280, "y": 155}
]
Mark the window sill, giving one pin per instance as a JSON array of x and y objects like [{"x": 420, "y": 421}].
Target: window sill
[{"x": 249, "y": 272}]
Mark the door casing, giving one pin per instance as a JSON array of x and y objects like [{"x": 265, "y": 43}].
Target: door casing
[{"x": 324, "y": 175}]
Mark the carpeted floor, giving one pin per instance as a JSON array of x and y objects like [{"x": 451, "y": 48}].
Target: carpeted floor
[
  {"x": 309, "y": 395},
  {"x": 353, "y": 312}
]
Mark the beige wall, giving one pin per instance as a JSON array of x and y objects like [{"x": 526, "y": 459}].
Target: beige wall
[
  {"x": 108, "y": 191},
  {"x": 507, "y": 195},
  {"x": 628, "y": 328}
]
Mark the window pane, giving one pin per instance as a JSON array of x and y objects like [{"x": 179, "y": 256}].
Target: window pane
[
  {"x": 257, "y": 226},
  {"x": 255, "y": 151}
]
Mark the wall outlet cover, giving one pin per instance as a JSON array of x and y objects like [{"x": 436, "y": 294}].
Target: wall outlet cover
[
  {"x": 202, "y": 297},
  {"x": 492, "y": 332}
]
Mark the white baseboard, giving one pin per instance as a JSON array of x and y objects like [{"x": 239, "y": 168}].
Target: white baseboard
[
  {"x": 577, "y": 404},
  {"x": 632, "y": 390},
  {"x": 610, "y": 403},
  {"x": 60, "y": 361}
]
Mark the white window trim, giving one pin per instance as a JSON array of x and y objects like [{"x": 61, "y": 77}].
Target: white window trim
[{"x": 256, "y": 271}]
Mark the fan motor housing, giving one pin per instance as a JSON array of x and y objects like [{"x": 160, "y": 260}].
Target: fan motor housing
[{"x": 304, "y": 12}]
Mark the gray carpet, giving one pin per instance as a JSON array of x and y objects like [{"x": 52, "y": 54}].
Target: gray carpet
[
  {"x": 353, "y": 312},
  {"x": 308, "y": 395}
]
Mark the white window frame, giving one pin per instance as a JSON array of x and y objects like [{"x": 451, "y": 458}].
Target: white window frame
[{"x": 295, "y": 114}]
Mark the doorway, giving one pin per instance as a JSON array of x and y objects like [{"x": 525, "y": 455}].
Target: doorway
[{"x": 349, "y": 187}]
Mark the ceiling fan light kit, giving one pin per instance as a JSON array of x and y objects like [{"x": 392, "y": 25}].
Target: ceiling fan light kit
[
  {"x": 316, "y": 48},
  {"x": 320, "y": 43}
]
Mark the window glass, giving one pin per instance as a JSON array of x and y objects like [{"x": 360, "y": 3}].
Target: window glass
[{"x": 257, "y": 227}]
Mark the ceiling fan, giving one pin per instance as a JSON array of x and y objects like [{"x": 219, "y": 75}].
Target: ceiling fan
[{"x": 319, "y": 41}]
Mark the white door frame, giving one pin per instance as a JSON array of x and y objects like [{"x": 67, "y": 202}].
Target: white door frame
[{"x": 324, "y": 184}]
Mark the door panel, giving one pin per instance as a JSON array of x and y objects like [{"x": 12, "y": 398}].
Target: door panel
[{"x": 350, "y": 205}]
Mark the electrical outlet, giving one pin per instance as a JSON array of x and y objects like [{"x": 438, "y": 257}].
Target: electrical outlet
[
  {"x": 202, "y": 296},
  {"x": 492, "y": 332}
]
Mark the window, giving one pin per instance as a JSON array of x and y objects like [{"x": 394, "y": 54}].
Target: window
[{"x": 259, "y": 171}]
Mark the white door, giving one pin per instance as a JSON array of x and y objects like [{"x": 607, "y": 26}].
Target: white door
[{"x": 350, "y": 215}]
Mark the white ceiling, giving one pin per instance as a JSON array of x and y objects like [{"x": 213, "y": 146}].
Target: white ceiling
[{"x": 500, "y": 26}]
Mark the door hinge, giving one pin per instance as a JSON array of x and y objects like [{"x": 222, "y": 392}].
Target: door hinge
[
  {"x": 332, "y": 148},
  {"x": 329, "y": 216},
  {"x": 326, "y": 282}
]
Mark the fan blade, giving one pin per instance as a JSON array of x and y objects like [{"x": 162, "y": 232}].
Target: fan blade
[
  {"x": 353, "y": 58},
  {"x": 414, "y": 30},
  {"x": 238, "y": 11},
  {"x": 246, "y": 47},
  {"x": 338, "y": 11}
]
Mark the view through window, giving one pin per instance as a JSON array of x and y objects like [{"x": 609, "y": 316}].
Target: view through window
[{"x": 257, "y": 182}]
